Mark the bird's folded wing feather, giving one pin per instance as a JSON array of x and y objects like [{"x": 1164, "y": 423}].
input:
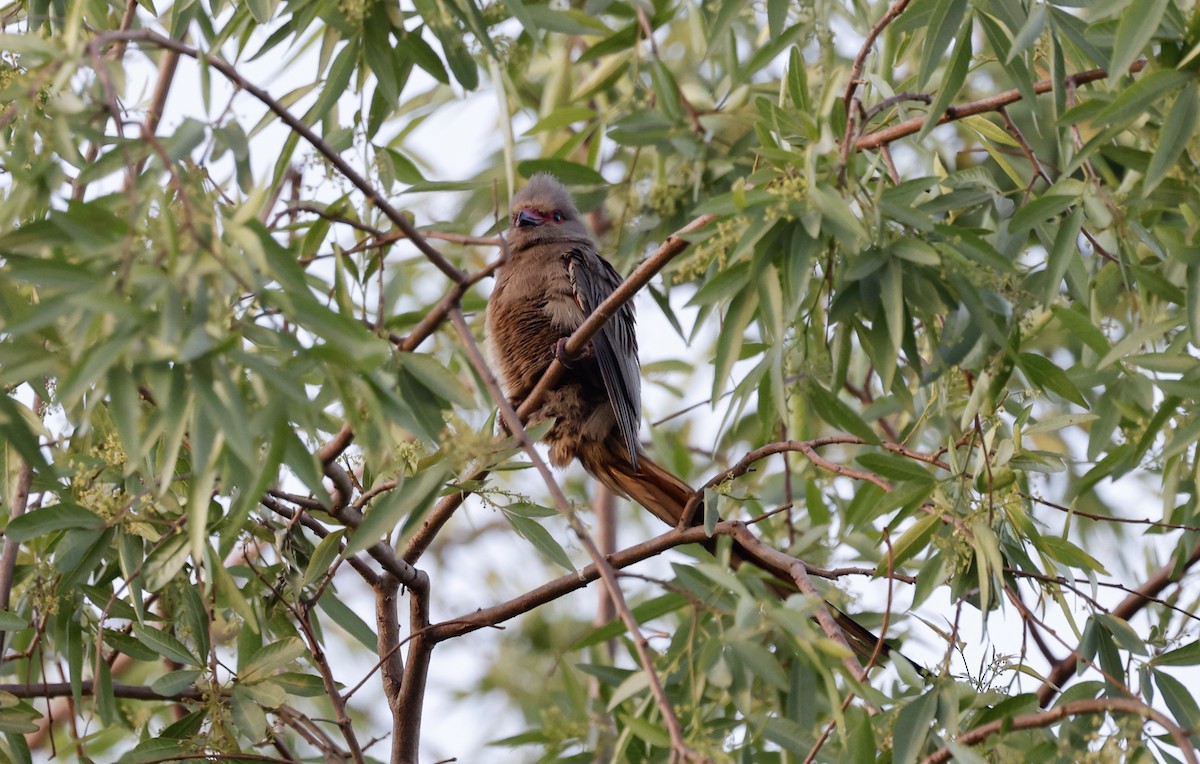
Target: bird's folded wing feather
[{"x": 593, "y": 280}]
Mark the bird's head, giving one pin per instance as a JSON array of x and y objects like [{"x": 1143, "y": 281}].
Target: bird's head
[{"x": 544, "y": 211}]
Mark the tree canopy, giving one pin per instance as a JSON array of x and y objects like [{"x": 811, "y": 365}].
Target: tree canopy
[{"x": 933, "y": 267}]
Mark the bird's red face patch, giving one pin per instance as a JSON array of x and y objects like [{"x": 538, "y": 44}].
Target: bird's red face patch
[{"x": 529, "y": 217}]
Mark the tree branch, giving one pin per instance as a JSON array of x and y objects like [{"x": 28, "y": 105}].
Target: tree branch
[
  {"x": 991, "y": 103},
  {"x": 1059, "y": 713},
  {"x": 552, "y": 590},
  {"x": 409, "y": 703}
]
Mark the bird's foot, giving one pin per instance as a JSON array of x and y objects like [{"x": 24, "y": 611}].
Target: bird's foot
[{"x": 570, "y": 359}]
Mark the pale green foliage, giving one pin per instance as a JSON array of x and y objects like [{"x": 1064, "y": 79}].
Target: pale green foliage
[{"x": 996, "y": 319}]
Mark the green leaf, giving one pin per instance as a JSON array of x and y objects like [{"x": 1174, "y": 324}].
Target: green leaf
[
  {"x": 323, "y": 558},
  {"x": 1123, "y": 633},
  {"x": 569, "y": 21},
  {"x": 336, "y": 83},
  {"x": 1188, "y": 655},
  {"x": 723, "y": 285},
  {"x": 436, "y": 378},
  {"x": 710, "y": 508},
  {"x": 912, "y": 727},
  {"x": 1133, "y": 101},
  {"x": 952, "y": 83},
  {"x": 49, "y": 519},
  {"x": 155, "y": 750},
  {"x": 1062, "y": 253},
  {"x": 128, "y": 645},
  {"x": 165, "y": 561},
  {"x": 634, "y": 684},
  {"x": 788, "y": 735},
  {"x": 1067, "y": 553},
  {"x": 166, "y": 645},
  {"x": 347, "y": 619},
  {"x": 412, "y": 494},
  {"x": 1081, "y": 327},
  {"x": 175, "y": 682},
  {"x": 1028, "y": 34},
  {"x": 830, "y": 408},
  {"x": 270, "y": 657},
  {"x": 533, "y": 532},
  {"x": 412, "y": 48},
  {"x": 570, "y": 173},
  {"x": 403, "y": 168},
  {"x": 733, "y": 333},
  {"x": 837, "y": 217},
  {"x": 248, "y": 716},
  {"x": 1175, "y": 136},
  {"x": 1038, "y": 211},
  {"x": 725, "y": 15},
  {"x": 379, "y": 54},
  {"x": 642, "y": 613},
  {"x": 1044, "y": 374},
  {"x": 19, "y": 720},
  {"x": 1136, "y": 26},
  {"x": 895, "y": 467},
  {"x": 260, "y": 10},
  {"x": 562, "y": 117},
  {"x": 1179, "y": 699},
  {"x": 913, "y": 540},
  {"x": 945, "y": 22},
  {"x": 304, "y": 685}
]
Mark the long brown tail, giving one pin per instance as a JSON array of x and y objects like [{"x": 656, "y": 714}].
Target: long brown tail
[
  {"x": 655, "y": 488},
  {"x": 666, "y": 496}
]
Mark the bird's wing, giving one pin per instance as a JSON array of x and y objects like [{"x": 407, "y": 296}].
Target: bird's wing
[{"x": 593, "y": 280}]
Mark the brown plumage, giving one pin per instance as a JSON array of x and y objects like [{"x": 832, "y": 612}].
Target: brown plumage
[{"x": 552, "y": 280}]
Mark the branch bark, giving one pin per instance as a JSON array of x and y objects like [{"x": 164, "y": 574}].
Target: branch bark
[
  {"x": 408, "y": 705},
  {"x": 991, "y": 103},
  {"x": 1073, "y": 708}
]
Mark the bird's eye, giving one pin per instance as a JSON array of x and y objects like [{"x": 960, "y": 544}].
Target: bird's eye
[{"x": 557, "y": 216}]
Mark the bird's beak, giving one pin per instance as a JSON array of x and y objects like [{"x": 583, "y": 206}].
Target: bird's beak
[{"x": 528, "y": 217}]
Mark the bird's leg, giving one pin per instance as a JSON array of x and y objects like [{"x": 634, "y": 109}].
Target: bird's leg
[{"x": 569, "y": 359}]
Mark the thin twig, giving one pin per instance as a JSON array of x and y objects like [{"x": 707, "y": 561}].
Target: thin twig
[
  {"x": 1067, "y": 710},
  {"x": 1163, "y": 577},
  {"x": 852, "y": 84},
  {"x": 227, "y": 70},
  {"x": 991, "y": 103}
]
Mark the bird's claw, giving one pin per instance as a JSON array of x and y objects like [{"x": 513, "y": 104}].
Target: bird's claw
[{"x": 569, "y": 359}]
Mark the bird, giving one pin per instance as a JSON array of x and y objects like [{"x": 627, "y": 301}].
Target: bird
[{"x": 550, "y": 281}]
